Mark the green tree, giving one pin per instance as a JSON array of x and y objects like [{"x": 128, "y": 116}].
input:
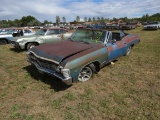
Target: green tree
[
  {"x": 115, "y": 19},
  {"x": 16, "y": 23},
  {"x": 4, "y": 23},
  {"x": 145, "y": 18},
  {"x": 102, "y": 20},
  {"x": 34, "y": 23},
  {"x": 89, "y": 20},
  {"x": 78, "y": 19},
  {"x": 64, "y": 20},
  {"x": 10, "y": 23},
  {"x": 46, "y": 22},
  {"x": 98, "y": 19},
  {"x": 26, "y": 19},
  {"x": 94, "y": 19},
  {"x": 58, "y": 20},
  {"x": 85, "y": 19}
]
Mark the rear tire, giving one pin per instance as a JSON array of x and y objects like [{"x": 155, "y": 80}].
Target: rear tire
[{"x": 129, "y": 49}]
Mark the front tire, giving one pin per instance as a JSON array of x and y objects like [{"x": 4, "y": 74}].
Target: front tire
[
  {"x": 86, "y": 73},
  {"x": 3, "y": 42},
  {"x": 31, "y": 45}
]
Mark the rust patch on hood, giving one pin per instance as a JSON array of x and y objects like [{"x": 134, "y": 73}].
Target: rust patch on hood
[{"x": 61, "y": 50}]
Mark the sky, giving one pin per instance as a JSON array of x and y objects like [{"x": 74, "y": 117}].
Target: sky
[{"x": 70, "y": 9}]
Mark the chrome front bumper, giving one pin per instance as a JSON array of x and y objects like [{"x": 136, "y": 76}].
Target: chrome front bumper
[
  {"x": 67, "y": 81},
  {"x": 16, "y": 45}
]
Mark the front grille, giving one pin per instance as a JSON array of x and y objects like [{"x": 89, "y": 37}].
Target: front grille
[
  {"x": 43, "y": 63},
  {"x": 150, "y": 27}
]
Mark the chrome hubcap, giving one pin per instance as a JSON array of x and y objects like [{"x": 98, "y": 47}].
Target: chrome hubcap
[{"x": 85, "y": 74}]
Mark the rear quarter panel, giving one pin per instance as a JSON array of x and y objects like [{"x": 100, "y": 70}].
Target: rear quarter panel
[{"x": 132, "y": 39}]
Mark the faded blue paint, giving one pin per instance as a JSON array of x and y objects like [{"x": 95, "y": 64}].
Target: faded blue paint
[{"x": 75, "y": 64}]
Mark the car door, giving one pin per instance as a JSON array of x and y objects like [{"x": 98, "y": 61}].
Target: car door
[
  {"x": 116, "y": 46},
  {"x": 52, "y": 35}
]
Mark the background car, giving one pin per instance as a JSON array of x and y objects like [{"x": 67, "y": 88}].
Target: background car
[
  {"x": 42, "y": 36},
  {"x": 152, "y": 26},
  {"x": 128, "y": 26},
  {"x": 16, "y": 32},
  {"x": 113, "y": 26}
]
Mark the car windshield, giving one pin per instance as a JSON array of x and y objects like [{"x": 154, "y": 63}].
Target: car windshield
[
  {"x": 52, "y": 32},
  {"x": 41, "y": 32},
  {"x": 10, "y": 31},
  {"x": 89, "y": 36}
]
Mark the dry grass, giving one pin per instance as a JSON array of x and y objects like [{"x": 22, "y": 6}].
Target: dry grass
[{"x": 129, "y": 89}]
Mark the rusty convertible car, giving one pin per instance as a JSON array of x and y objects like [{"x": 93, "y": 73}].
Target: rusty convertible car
[{"x": 82, "y": 55}]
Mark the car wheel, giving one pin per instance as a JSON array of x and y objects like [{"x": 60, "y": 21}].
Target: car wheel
[
  {"x": 2, "y": 42},
  {"x": 129, "y": 49},
  {"x": 86, "y": 73},
  {"x": 31, "y": 45}
]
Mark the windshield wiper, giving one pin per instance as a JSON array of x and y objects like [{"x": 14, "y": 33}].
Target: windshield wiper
[
  {"x": 87, "y": 42},
  {"x": 70, "y": 39}
]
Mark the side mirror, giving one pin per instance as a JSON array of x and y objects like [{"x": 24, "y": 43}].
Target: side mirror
[{"x": 114, "y": 41}]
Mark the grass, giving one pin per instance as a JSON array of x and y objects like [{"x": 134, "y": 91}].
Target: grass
[{"x": 129, "y": 89}]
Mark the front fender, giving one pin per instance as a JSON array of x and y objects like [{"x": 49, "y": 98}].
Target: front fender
[
  {"x": 40, "y": 40},
  {"x": 76, "y": 62},
  {"x": 25, "y": 41}
]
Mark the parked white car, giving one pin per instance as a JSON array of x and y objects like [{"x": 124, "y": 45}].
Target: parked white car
[
  {"x": 6, "y": 38},
  {"x": 42, "y": 36},
  {"x": 152, "y": 26}
]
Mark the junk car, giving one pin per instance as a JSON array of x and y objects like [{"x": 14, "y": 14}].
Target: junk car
[
  {"x": 82, "y": 55},
  {"x": 42, "y": 36}
]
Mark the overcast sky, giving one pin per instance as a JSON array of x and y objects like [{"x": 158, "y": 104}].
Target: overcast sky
[{"x": 49, "y": 9}]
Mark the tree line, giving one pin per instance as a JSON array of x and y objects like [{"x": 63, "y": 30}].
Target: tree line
[{"x": 32, "y": 21}]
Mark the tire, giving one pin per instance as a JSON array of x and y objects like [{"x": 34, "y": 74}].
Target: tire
[
  {"x": 86, "y": 73},
  {"x": 129, "y": 49},
  {"x": 3, "y": 42},
  {"x": 30, "y": 45}
]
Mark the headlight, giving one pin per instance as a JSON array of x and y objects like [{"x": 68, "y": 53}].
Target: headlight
[
  {"x": 59, "y": 68},
  {"x": 65, "y": 72}
]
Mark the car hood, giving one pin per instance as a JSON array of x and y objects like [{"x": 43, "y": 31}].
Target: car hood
[
  {"x": 57, "y": 52},
  {"x": 21, "y": 37}
]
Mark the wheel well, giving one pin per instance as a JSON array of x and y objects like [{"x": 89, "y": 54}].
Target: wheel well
[
  {"x": 132, "y": 45},
  {"x": 4, "y": 39},
  {"x": 30, "y": 42},
  {"x": 97, "y": 66}
]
